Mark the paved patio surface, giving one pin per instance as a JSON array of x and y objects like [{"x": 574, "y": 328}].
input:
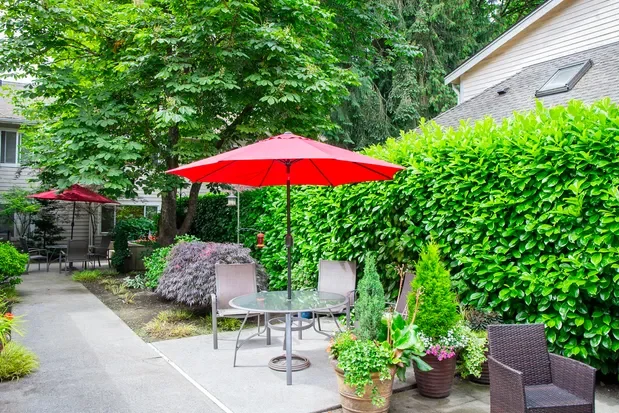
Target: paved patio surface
[
  {"x": 91, "y": 362},
  {"x": 253, "y": 387}
]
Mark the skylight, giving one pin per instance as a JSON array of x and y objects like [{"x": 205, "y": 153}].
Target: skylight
[{"x": 564, "y": 79}]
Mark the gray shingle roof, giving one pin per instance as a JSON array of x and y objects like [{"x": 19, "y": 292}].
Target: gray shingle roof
[
  {"x": 6, "y": 108},
  {"x": 601, "y": 81}
]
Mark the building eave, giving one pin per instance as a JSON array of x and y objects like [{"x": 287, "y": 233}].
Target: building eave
[{"x": 515, "y": 30}]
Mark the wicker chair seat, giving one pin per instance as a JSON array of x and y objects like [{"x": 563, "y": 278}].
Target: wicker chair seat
[{"x": 548, "y": 398}]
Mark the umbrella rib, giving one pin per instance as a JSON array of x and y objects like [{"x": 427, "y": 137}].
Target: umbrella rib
[
  {"x": 321, "y": 173},
  {"x": 212, "y": 172},
  {"x": 267, "y": 172},
  {"x": 372, "y": 170}
]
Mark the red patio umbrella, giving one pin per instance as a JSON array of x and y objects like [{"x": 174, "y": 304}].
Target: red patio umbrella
[
  {"x": 288, "y": 159},
  {"x": 75, "y": 193}
]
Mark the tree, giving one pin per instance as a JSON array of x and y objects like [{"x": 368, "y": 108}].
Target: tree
[
  {"x": 46, "y": 229},
  {"x": 18, "y": 209},
  {"x": 370, "y": 305},
  {"x": 124, "y": 92}
]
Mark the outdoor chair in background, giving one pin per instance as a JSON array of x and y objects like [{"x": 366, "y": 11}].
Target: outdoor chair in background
[
  {"x": 101, "y": 251},
  {"x": 232, "y": 280},
  {"x": 36, "y": 255},
  {"x": 77, "y": 251},
  {"x": 524, "y": 377},
  {"x": 401, "y": 306},
  {"x": 338, "y": 277}
]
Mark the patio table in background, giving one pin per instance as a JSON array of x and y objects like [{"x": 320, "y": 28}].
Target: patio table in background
[{"x": 277, "y": 302}]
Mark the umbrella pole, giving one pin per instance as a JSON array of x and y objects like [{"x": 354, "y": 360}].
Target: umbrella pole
[
  {"x": 288, "y": 234},
  {"x": 73, "y": 220}
]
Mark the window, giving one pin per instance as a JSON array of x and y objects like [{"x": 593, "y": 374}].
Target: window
[
  {"x": 110, "y": 214},
  {"x": 564, "y": 79},
  {"x": 9, "y": 147}
]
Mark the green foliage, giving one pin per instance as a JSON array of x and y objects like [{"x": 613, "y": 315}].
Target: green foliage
[
  {"x": 472, "y": 357},
  {"x": 341, "y": 342},
  {"x": 86, "y": 276},
  {"x": 304, "y": 276},
  {"x": 525, "y": 211},
  {"x": 359, "y": 361},
  {"x": 12, "y": 265},
  {"x": 479, "y": 320},
  {"x": 125, "y": 230},
  {"x": 438, "y": 311},
  {"x": 155, "y": 264},
  {"x": 16, "y": 361},
  {"x": 18, "y": 209},
  {"x": 370, "y": 305},
  {"x": 215, "y": 221},
  {"x": 174, "y": 315},
  {"x": 47, "y": 230}
]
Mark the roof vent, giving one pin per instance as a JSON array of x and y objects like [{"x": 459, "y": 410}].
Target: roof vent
[
  {"x": 564, "y": 79},
  {"x": 503, "y": 91}
]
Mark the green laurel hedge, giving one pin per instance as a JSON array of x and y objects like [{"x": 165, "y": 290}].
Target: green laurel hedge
[{"x": 527, "y": 211}]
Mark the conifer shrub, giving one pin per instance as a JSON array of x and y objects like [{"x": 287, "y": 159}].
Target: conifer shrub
[{"x": 370, "y": 305}]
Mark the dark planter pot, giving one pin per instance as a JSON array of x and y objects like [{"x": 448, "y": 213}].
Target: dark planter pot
[
  {"x": 485, "y": 374},
  {"x": 437, "y": 382}
]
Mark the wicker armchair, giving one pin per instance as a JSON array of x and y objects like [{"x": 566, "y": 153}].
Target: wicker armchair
[{"x": 525, "y": 378}]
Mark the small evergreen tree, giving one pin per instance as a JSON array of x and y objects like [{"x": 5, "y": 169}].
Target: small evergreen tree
[
  {"x": 46, "y": 228},
  {"x": 438, "y": 311},
  {"x": 370, "y": 305}
]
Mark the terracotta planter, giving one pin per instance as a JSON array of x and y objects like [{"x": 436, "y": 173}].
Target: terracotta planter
[
  {"x": 437, "y": 382},
  {"x": 351, "y": 403}
]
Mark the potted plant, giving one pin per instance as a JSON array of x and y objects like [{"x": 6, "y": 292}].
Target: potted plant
[
  {"x": 383, "y": 345},
  {"x": 474, "y": 359},
  {"x": 437, "y": 320}
]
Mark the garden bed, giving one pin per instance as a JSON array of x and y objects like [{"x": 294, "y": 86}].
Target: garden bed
[{"x": 150, "y": 316}]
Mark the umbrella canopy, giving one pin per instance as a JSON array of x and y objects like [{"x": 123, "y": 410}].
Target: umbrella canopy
[
  {"x": 288, "y": 159},
  {"x": 76, "y": 193},
  {"x": 266, "y": 162}
]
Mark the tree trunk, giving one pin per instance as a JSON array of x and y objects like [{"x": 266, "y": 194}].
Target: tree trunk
[
  {"x": 167, "y": 220},
  {"x": 191, "y": 208}
]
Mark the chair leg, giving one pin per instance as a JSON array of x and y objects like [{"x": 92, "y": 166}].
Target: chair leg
[
  {"x": 214, "y": 325},
  {"x": 300, "y": 327}
]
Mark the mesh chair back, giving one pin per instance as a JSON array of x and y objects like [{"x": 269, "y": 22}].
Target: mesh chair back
[
  {"x": 232, "y": 280},
  {"x": 401, "y": 306},
  {"x": 338, "y": 277},
  {"x": 523, "y": 348},
  {"x": 105, "y": 242},
  {"x": 77, "y": 250}
]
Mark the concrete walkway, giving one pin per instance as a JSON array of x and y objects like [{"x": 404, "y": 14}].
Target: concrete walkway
[{"x": 91, "y": 362}]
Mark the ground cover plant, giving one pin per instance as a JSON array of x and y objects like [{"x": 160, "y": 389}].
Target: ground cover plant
[
  {"x": 86, "y": 275},
  {"x": 526, "y": 212},
  {"x": 16, "y": 361},
  {"x": 189, "y": 277}
]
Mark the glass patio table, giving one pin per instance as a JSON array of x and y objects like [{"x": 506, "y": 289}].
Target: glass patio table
[{"x": 277, "y": 302}]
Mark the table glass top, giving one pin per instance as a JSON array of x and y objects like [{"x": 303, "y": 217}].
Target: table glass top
[{"x": 277, "y": 301}]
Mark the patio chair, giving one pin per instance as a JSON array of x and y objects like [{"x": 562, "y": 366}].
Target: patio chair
[
  {"x": 401, "y": 306},
  {"x": 524, "y": 377},
  {"x": 231, "y": 280},
  {"x": 101, "y": 251},
  {"x": 37, "y": 255},
  {"x": 338, "y": 277},
  {"x": 77, "y": 251}
]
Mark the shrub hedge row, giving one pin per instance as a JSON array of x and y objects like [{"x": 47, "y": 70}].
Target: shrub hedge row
[{"x": 526, "y": 210}]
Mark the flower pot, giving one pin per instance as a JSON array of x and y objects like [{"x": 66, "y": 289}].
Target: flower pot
[
  {"x": 351, "y": 403},
  {"x": 485, "y": 373},
  {"x": 437, "y": 382}
]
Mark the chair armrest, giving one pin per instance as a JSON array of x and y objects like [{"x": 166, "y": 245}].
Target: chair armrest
[
  {"x": 213, "y": 305},
  {"x": 506, "y": 388},
  {"x": 572, "y": 375},
  {"x": 351, "y": 295}
]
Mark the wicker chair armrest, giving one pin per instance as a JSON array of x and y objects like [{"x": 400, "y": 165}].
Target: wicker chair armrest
[
  {"x": 506, "y": 388},
  {"x": 572, "y": 375}
]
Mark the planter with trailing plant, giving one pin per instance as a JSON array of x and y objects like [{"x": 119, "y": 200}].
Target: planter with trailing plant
[
  {"x": 438, "y": 322},
  {"x": 477, "y": 352},
  {"x": 383, "y": 345}
]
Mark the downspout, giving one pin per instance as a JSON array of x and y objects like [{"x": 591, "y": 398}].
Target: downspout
[{"x": 456, "y": 90}]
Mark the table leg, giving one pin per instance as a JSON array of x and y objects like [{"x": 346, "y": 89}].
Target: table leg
[
  {"x": 267, "y": 317},
  {"x": 288, "y": 349},
  {"x": 236, "y": 345}
]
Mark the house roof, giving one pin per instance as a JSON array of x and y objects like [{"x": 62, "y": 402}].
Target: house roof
[
  {"x": 516, "y": 29},
  {"x": 602, "y": 80},
  {"x": 7, "y": 114}
]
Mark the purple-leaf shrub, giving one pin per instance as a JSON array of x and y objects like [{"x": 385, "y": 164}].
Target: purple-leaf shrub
[{"x": 189, "y": 277}]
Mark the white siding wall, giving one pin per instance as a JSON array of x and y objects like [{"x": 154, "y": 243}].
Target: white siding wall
[{"x": 574, "y": 26}]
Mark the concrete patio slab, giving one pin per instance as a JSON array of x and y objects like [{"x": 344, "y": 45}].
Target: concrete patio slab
[
  {"x": 91, "y": 362},
  {"x": 251, "y": 386}
]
